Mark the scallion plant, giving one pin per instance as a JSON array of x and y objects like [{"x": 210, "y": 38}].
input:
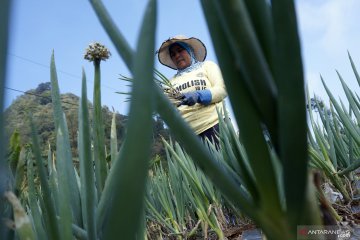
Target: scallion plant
[
  {"x": 334, "y": 140},
  {"x": 253, "y": 41}
]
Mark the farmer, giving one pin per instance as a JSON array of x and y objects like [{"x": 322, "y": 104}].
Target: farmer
[{"x": 200, "y": 84}]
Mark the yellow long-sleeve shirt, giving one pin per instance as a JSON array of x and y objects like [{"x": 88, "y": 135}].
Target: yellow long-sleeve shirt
[{"x": 208, "y": 76}]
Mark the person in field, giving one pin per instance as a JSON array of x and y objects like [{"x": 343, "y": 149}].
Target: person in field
[{"x": 199, "y": 83}]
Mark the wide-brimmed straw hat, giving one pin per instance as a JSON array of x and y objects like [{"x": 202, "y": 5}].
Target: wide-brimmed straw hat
[{"x": 197, "y": 45}]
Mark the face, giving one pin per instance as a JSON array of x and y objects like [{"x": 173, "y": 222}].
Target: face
[{"x": 180, "y": 57}]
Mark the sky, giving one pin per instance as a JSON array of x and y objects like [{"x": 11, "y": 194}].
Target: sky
[{"x": 327, "y": 31}]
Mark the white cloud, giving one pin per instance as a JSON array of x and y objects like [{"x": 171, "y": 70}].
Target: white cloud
[
  {"x": 328, "y": 23},
  {"x": 328, "y": 28}
]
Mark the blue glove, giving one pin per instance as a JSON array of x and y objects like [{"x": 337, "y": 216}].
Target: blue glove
[{"x": 203, "y": 97}]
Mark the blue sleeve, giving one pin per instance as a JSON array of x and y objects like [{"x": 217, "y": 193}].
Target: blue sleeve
[{"x": 205, "y": 97}]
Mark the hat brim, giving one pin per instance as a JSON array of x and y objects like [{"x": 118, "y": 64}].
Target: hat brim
[{"x": 197, "y": 45}]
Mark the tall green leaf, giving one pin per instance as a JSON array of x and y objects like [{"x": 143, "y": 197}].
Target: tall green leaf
[
  {"x": 65, "y": 213},
  {"x": 33, "y": 204},
  {"x": 132, "y": 165},
  {"x": 20, "y": 172},
  {"x": 354, "y": 69},
  {"x": 249, "y": 59},
  {"x": 291, "y": 108},
  {"x": 49, "y": 210},
  {"x": 5, "y": 10},
  {"x": 263, "y": 26},
  {"x": 113, "y": 140},
  {"x": 247, "y": 117},
  {"x": 346, "y": 120},
  {"x": 350, "y": 97},
  {"x": 98, "y": 131},
  {"x": 86, "y": 165},
  {"x": 61, "y": 127}
]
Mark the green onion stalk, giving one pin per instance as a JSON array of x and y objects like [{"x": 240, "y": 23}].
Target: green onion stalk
[
  {"x": 5, "y": 7},
  {"x": 96, "y": 53}
]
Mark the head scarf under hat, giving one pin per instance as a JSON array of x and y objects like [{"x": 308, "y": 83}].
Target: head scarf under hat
[
  {"x": 194, "y": 64},
  {"x": 198, "y": 48}
]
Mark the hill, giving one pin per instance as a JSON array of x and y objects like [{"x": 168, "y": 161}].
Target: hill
[{"x": 38, "y": 102}]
